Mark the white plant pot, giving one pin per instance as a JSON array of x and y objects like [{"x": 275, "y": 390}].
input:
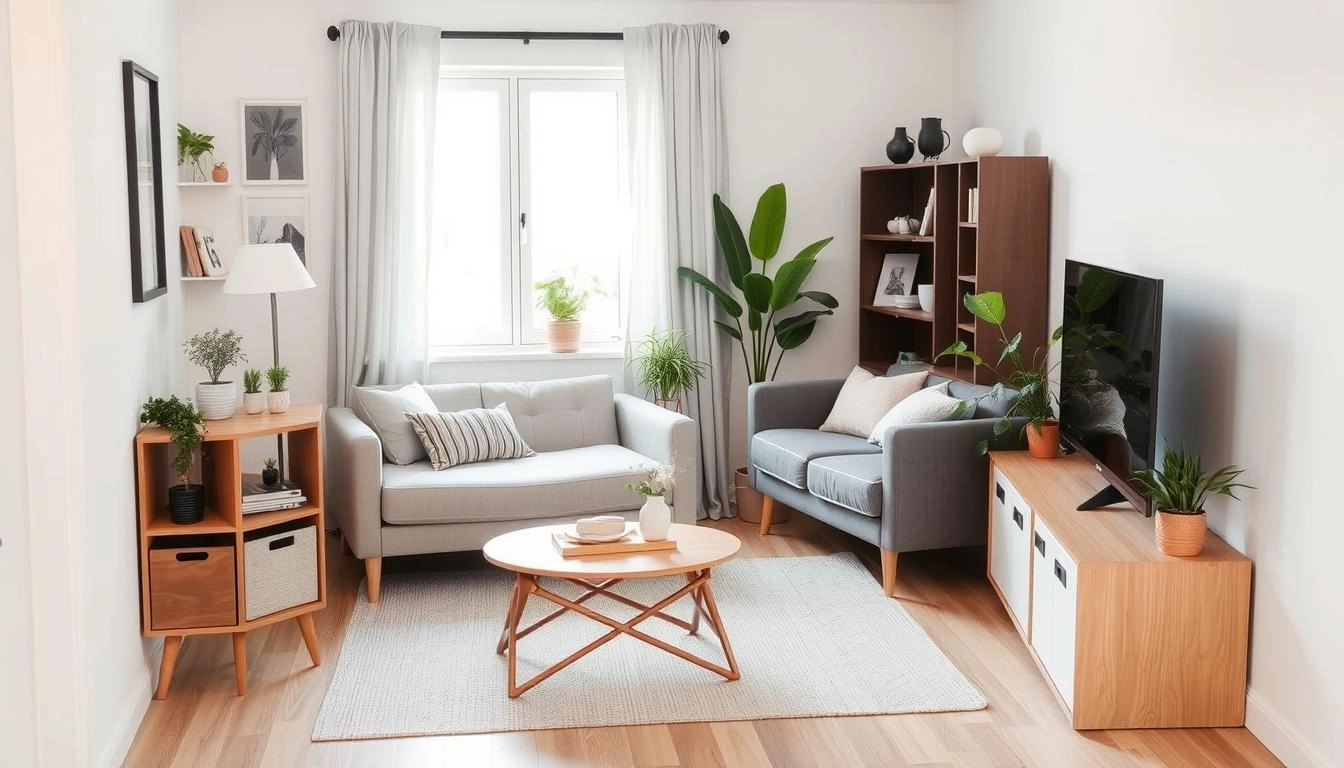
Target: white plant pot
[
  {"x": 254, "y": 402},
  {"x": 655, "y": 518},
  {"x": 216, "y": 401},
  {"x": 277, "y": 402},
  {"x": 982, "y": 142}
]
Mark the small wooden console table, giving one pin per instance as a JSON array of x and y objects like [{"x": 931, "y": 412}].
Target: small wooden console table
[{"x": 193, "y": 578}]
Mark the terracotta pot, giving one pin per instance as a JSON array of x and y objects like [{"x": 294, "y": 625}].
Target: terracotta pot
[
  {"x": 563, "y": 335},
  {"x": 1043, "y": 440},
  {"x": 219, "y": 175},
  {"x": 1181, "y": 535},
  {"x": 749, "y": 501}
]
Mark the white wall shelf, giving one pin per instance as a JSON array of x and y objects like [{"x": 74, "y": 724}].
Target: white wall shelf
[{"x": 204, "y": 183}]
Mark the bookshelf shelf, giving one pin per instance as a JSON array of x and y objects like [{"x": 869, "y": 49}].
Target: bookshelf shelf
[
  {"x": 162, "y": 525},
  {"x": 196, "y": 184},
  {"x": 913, "y": 314},
  {"x": 258, "y": 520},
  {"x": 899, "y": 238},
  {"x": 189, "y": 279}
]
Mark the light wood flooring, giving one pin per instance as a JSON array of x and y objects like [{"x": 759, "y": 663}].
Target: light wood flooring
[{"x": 203, "y": 722}]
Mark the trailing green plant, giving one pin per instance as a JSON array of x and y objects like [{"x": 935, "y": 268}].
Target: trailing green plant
[
  {"x": 756, "y": 294},
  {"x": 277, "y": 376},
  {"x": 561, "y": 300},
  {"x": 657, "y": 481},
  {"x": 191, "y": 146},
  {"x": 252, "y": 381},
  {"x": 1182, "y": 486},
  {"x": 215, "y": 350},
  {"x": 185, "y": 425},
  {"x": 663, "y": 364},
  {"x": 275, "y": 133}
]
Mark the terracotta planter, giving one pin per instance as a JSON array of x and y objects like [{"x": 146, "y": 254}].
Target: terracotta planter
[
  {"x": 563, "y": 335},
  {"x": 749, "y": 501},
  {"x": 1181, "y": 535},
  {"x": 220, "y": 175},
  {"x": 1043, "y": 440}
]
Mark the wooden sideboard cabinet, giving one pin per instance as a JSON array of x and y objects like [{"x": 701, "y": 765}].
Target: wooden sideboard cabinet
[{"x": 1128, "y": 637}]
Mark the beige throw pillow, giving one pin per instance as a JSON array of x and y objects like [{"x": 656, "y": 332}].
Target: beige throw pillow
[
  {"x": 385, "y": 411},
  {"x": 926, "y": 405},
  {"x": 865, "y": 398}
]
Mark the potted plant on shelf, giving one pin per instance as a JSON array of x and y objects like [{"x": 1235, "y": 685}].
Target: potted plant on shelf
[
  {"x": 765, "y": 301},
  {"x": 186, "y": 429},
  {"x": 214, "y": 351},
  {"x": 565, "y": 304},
  {"x": 277, "y": 400},
  {"x": 1179, "y": 490},
  {"x": 655, "y": 517},
  {"x": 270, "y": 472},
  {"x": 254, "y": 400},
  {"x": 1036, "y": 399},
  {"x": 220, "y": 173},
  {"x": 664, "y": 366},
  {"x": 191, "y": 146}
]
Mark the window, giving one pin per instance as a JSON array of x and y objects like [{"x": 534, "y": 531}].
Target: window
[{"x": 528, "y": 184}]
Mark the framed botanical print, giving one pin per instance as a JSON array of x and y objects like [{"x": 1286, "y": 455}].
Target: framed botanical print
[
  {"x": 144, "y": 182},
  {"x": 275, "y": 144}
]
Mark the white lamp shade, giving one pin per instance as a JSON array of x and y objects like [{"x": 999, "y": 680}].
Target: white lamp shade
[{"x": 267, "y": 268}]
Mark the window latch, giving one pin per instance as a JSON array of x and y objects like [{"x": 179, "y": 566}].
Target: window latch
[{"x": 522, "y": 227}]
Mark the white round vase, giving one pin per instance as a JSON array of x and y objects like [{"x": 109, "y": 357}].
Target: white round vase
[
  {"x": 982, "y": 142},
  {"x": 216, "y": 401},
  {"x": 277, "y": 402},
  {"x": 655, "y": 518},
  {"x": 254, "y": 402}
]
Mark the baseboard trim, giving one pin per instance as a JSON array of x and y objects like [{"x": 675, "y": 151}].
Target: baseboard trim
[
  {"x": 134, "y": 709},
  {"x": 1278, "y": 735}
]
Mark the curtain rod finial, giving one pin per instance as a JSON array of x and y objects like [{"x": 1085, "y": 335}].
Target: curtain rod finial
[
  {"x": 333, "y": 33},
  {"x": 723, "y": 37}
]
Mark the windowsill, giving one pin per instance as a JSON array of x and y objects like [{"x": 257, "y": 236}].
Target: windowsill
[{"x": 586, "y": 352}]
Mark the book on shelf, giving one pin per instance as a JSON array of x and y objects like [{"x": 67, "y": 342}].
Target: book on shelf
[
  {"x": 926, "y": 223},
  {"x": 190, "y": 255},
  {"x": 293, "y": 502},
  {"x": 256, "y": 491}
]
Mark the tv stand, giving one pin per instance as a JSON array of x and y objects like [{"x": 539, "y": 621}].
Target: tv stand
[{"x": 1104, "y": 498}]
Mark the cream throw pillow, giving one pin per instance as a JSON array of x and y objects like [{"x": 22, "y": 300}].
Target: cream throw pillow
[
  {"x": 865, "y": 398},
  {"x": 386, "y": 411},
  {"x": 926, "y": 405}
]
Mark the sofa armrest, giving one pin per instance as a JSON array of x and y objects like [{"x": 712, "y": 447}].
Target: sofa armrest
[
  {"x": 355, "y": 481},
  {"x": 662, "y": 435},
  {"x": 935, "y": 483}
]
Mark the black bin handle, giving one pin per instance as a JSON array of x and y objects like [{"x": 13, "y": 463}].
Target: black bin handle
[
  {"x": 287, "y": 541},
  {"x": 1040, "y": 543},
  {"x": 186, "y": 557},
  {"x": 998, "y": 491},
  {"x": 1061, "y": 574},
  {"x": 1017, "y": 518}
]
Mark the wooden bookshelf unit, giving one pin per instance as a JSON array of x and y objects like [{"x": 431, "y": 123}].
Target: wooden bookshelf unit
[
  {"x": 1006, "y": 249},
  {"x": 193, "y": 578}
]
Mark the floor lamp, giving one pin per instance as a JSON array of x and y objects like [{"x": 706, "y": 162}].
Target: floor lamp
[{"x": 269, "y": 268}]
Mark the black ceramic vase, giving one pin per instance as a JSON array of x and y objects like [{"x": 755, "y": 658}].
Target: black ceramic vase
[
  {"x": 186, "y": 504},
  {"x": 901, "y": 147},
  {"x": 931, "y": 135}
]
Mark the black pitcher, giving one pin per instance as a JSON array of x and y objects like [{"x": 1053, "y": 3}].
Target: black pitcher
[
  {"x": 901, "y": 147},
  {"x": 931, "y": 136}
]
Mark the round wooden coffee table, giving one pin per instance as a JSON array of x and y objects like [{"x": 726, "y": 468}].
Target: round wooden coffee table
[{"x": 531, "y": 554}]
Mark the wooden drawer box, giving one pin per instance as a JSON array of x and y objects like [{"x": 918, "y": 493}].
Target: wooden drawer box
[{"x": 192, "y": 587}]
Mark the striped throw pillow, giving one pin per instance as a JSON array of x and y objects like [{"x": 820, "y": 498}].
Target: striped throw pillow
[{"x": 463, "y": 437}]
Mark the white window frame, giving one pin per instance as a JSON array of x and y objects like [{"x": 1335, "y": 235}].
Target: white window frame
[{"x": 526, "y": 341}]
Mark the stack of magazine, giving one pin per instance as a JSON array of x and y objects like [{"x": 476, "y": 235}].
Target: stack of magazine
[{"x": 258, "y": 497}]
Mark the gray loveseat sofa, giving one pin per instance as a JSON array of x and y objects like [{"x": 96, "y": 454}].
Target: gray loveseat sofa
[
  {"x": 588, "y": 443},
  {"x": 925, "y": 488}
]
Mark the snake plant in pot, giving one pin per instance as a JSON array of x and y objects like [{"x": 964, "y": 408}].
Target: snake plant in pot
[
  {"x": 186, "y": 430},
  {"x": 1179, "y": 490}
]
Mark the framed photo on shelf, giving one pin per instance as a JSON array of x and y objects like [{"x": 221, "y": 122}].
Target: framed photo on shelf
[
  {"x": 277, "y": 219},
  {"x": 209, "y": 254},
  {"x": 897, "y": 278},
  {"x": 275, "y": 142}
]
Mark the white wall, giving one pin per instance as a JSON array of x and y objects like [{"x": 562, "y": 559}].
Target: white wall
[
  {"x": 813, "y": 91},
  {"x": 1198, "y": 142}
]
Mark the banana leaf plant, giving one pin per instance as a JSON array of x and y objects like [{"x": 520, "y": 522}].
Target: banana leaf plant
[{"x": 766, "y": 301}]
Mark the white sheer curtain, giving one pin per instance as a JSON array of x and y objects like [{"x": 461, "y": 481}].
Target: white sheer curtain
[
  {"x": 678, "y": 160},
  {"x": 385, "y": 157}
]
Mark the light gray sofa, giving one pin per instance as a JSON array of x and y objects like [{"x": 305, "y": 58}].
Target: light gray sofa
[
  {"x": 925, "y": 488},
  {"x": 588, "y": 440}
]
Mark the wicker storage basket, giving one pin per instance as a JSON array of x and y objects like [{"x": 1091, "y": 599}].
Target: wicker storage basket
[{"x": 281, "y": 571}]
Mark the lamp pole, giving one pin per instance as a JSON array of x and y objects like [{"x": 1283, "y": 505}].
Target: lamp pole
[{"x": 275, "y": 357}]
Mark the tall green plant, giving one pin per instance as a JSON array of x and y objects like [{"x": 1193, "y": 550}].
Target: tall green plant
[
  {"x": 191, "y": 146},
  {"x": 215, "y": 350},
  {"x": 663, "y": 364},
  {"x": 185, "y": 425},
  {"x": 1181, "y": 486},
  {"x": 765, "y": 339}
]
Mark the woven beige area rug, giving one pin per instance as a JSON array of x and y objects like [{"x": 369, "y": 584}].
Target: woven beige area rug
[{"x": 813, "y": 636}]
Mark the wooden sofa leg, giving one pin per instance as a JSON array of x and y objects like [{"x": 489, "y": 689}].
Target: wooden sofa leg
[
  {"x": 889, "y": 572},
  {"x": 767, "y": 512},
  {"x": 373, "y": 572}
]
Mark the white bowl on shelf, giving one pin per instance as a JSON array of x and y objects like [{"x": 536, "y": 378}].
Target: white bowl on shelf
[{"x": 906, "y": 302}]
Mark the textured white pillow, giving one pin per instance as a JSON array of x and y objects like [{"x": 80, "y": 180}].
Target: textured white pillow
[
  {"x": 385, "y": 411},
  {"x": 926, "y": 405},
  {"x": 864, "y": 398}
]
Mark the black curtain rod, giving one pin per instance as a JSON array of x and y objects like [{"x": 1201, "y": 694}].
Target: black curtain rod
[{"x": 334, "y": 33}]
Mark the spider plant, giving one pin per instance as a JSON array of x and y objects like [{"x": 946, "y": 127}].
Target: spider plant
[
  {"x": 1182, "y": 486},
  {"x": 664, "y": 367}
]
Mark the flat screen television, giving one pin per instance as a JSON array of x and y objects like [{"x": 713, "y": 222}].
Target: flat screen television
[{"x": 1112, "y": 336}]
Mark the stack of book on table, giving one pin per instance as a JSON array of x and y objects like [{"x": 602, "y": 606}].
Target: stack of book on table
[{"x": 258, "y": 497}]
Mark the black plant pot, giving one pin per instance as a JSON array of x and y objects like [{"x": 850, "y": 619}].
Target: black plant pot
[
  {"x": 270, "y": 476},
  {"x": 931, "y": 135},
  {"x": 901, "y": 147},
  {"x": 186, "y": 504}
]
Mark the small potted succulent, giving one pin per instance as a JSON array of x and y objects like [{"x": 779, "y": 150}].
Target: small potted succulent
[
  {"x": 254, "y": 400},
  {"x": 220, "y": 173},
  {"x": 664, "y": 367},
  {"x": 655, "y": 517},
  {"x": 270, "y": 473},
  {"x": 1179, "y": 490},
  {"x": 565, "y": 304},
  {"x": 186, "y": 429},
  {"x": 214, "y": 351},
  {"x": 277, "y": 400}
]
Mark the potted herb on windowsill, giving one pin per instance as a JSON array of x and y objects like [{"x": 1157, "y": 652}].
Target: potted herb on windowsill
[
  {"x": 277, "y": 400},
  {"x": 1179, "y": 490},
  {"x": 664, "y": 367},
  {"x": 186, "y": 429},
  {"x": 565, "y": 304},
  {"x": 214, "y": 351},
  {"x": 254, "y": 400}
]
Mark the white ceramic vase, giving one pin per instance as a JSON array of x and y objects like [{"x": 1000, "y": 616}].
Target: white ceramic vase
[
  {"x": 216, "y": 401},
  {"x": 277, "y": 402},
  {"x": 926, "y": 297},
  {"x": 655, "y": 518},
  {"x": 275, "y": 168},
  {"x": 982, "y": 142},
  {"x": 254, "y": 402}
]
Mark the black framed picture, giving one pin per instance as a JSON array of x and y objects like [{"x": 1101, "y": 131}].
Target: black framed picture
[{"x": 144, "y": 182}]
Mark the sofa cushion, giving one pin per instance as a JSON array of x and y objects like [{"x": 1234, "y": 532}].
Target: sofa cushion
[
  {"x": 929, "y": 404},
  {"x": 466, "y": 437},
  {"x": 865, "y": 398},
  {"x": 784, "y": 453},
  {"x": 990, "y": 407},
  {"x": 578, "y": 481},
  {"x": 853, "y": 482},
  {"x": 384, "y": 410},
  {"x": 559, "y": 414},
  {"x": 455, "y": 397}
]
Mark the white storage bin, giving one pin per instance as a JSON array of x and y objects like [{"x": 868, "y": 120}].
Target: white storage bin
[{"x": 281, "y": 571}]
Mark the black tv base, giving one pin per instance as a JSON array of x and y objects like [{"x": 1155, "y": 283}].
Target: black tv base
[{"x": 1104, "y": 498}]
